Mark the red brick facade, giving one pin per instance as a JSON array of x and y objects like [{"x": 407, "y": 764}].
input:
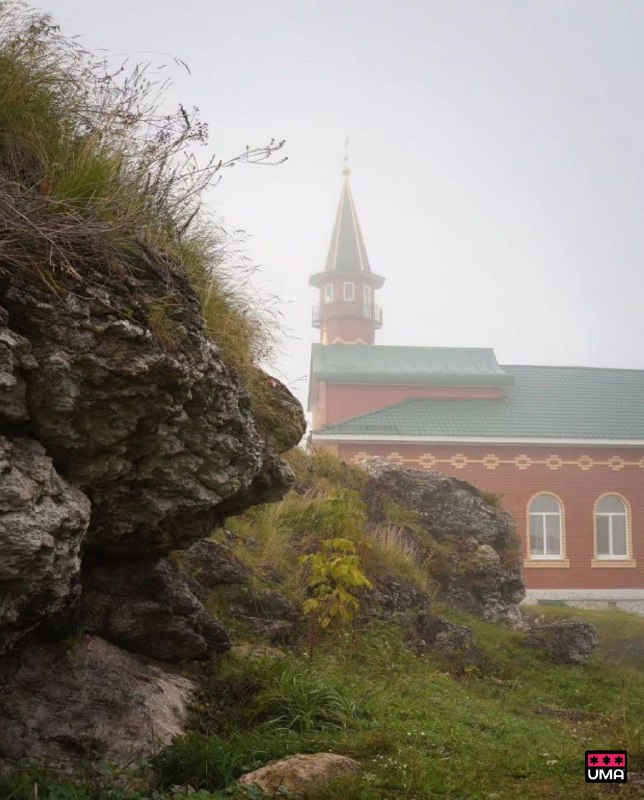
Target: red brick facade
[{"x": 578, "y": 476}]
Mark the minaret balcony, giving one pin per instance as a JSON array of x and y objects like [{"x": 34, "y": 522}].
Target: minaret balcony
[{"x": 347, "y": 310}]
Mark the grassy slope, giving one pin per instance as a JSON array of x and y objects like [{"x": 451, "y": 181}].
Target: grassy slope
[{"x": 516, "y": 726}]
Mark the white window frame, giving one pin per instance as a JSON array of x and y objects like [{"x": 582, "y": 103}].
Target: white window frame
[
  {"x": 349, "y": 285},
  {"x": 543, "y": 514},
  {"x": 366, "y": 301},
  {"x": 328, "y": 292},
  {"x": 627, "y": 529}
]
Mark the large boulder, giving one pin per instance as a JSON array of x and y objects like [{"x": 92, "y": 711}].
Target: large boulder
[
  {"x": 69, "y": 702},
  {"x": 472, "y": 549},
  {"x": 42, "y": 523},
  {"x": 300, "y": 776},
  {"x": 137, "y": 408},
  {"x": 570, "y": 641},
  {"x": 145, "y": 605}
]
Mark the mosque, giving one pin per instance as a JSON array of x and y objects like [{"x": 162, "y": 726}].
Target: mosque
[{"x": 562, "y": 446}]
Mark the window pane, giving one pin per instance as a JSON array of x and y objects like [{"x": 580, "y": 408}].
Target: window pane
[
  {"x": 619, "y": 535},
  {"x": 348, "y": 291},
  {"x": 553, "y": 535},
  {"x": 328, "y": 292},
  {"x": 610, "y": 505},
  {"x": 536, "y": 535},
  {"x": 544, "y": 502},
  {"x": 602, "y": 536}
]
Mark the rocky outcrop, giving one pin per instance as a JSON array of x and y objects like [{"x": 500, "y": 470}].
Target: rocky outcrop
[
  {"x": 390, "y": 596},
  {"x": 42, "y": 523},
  {"x": 472, "y": 549},
  {"x": 299, "y": 775},
  {"x": 15, "y": 360},
  {"x": 88, "y": 698},
  {"x": 454, "y": 643},
  {"x": 210, "y": 564},
  {"x": 146, "y": 606},
  {"x": 570, "y": 641},
  {"x": 158, "y": 437},
  {"x": 130, "y": 408}
]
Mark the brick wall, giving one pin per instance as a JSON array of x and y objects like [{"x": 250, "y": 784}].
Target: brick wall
[{"x": 577, "y": 475}]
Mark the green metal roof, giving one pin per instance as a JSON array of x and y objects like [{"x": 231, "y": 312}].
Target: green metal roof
[
  {"x": 437, "y": 366},
  {"x": 543, "y": 402}
]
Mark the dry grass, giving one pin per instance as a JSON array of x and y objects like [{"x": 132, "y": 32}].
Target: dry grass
[
  {"x": 95, "y": 180},
  {"x": 391, "y": 551}
]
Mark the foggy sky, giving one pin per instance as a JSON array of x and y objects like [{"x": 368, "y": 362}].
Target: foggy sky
[{"x": 496, "y": 154}]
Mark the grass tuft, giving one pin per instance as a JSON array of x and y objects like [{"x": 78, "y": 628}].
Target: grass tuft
[{"x": 98, "y": 181}]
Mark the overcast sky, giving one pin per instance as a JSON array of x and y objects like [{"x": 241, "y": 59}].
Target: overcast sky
[{"x": 495, "y": 146}]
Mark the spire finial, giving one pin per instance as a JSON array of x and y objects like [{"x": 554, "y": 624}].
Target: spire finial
[{"x": 345, "y": 170}]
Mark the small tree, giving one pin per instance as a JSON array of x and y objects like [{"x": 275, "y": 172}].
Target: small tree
[{"x": 335, "y": 576}]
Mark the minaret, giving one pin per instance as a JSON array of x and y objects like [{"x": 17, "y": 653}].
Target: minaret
[{"x": 347, "y": 312}]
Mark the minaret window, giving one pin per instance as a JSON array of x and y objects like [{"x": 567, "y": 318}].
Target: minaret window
[
  {"x": 367, "y": 301},
  {"x": 328, "y": 292},
  {"x": 349, "y": 292}
]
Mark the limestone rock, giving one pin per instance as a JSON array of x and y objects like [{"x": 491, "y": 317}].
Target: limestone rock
[
  {"x": 15, "y": 357},
  {"x": 146, "y": 606},
  {"x": 149, "y": 423},
  {"x": 209, "y": 564},
  {"x": 453, "y": 642},
  {"x": 300, "y": 775},
  {"x": 42, "y": 523},
  {"x": 472, "y": 547},
  {"x": 570, "y": 641},
  {"x": 69, "y": 702}
]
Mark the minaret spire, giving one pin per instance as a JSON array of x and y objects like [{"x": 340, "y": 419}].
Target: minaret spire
[
  {"x": 346, "y": 170},
  {"x": 347, "y": 311}
]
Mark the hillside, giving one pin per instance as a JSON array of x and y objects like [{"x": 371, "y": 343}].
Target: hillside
[{"x": 423, "y": 722}]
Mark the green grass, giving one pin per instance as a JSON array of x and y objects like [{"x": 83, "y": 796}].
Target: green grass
[{"x": 517, "y": 726}]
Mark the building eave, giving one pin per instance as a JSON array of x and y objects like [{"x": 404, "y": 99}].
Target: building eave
[{"x": 507, "y": 440}]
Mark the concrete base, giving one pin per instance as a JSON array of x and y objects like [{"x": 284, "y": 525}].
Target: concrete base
[{"x": 625, "y": 599}]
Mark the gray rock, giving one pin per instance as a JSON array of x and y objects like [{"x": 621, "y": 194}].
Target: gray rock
[
  {"x": 42, "y": 523},
  {"x": 570, "y": 641},
  {"x": 155, "y": 429},
  {"x": 472, "y": 547},
  {"x": 453, "y": 642},
  {"x": 15, "y": 357},
  {"x": 390, "y": 596},
  {"x": 266, "y": 604},
  {"x": 209, "y": 564},
  {"x": 146, "y": 606},
  {"x": 67, "y": 703}
]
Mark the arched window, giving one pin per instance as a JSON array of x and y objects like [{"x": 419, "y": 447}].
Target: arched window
[
  {"x": 545, "y": 518},
  {"x": 611, "y": 527}
]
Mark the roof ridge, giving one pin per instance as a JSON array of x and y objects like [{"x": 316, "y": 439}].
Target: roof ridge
[
  {"x": 371, "y": 413},
  {"x": 571, "y": 366}
]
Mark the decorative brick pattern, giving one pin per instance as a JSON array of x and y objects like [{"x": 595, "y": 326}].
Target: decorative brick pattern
[{"x": 521, "y": 461}]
